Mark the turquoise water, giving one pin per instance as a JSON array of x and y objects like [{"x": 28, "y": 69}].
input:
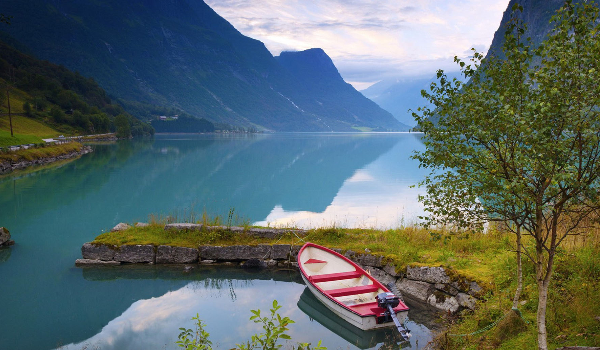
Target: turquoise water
[{"x": 302, "y": 179}]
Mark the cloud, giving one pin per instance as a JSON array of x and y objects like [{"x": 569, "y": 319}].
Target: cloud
[{"x": 369, "y": 40}]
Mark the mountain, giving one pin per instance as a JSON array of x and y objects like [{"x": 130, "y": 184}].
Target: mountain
[
  {"x": 399, "y": 95},
  {"x": 181, "y": 54},
  {"x": 59, "y": 98},
  {"x": 315, "y": 72},
  {"x": 536, "y": 14}
]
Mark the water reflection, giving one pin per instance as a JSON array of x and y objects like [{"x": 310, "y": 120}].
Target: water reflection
[
  {"x": 223, "y": 297},
  {"x": 53, "y": 211}
]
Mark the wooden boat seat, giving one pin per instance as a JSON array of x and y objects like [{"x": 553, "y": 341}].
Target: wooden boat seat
[
  {"x": 315, "y": 261},
  {"x": 335, "y": 276},
  {"x": 341, "y": 292}
]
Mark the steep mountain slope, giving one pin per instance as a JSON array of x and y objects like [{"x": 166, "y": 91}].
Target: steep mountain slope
[
  {"x": 176, "y": 53},
  {"x": 316, "y": 73},
  {"x": 536, "y": 13}
]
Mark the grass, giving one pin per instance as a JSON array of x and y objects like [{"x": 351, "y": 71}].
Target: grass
[
  {"x": 41, "y": 152},
  {"x": 25, "y": 130},
  {"x": 573, "y": 316}
]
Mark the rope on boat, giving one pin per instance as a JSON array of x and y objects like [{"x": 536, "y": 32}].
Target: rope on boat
[{"x": 492, "y": 325}]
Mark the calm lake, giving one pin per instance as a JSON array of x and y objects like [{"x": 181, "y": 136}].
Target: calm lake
[{"x": 303, "y": 180}]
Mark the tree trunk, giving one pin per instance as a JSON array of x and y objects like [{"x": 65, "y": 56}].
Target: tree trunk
[
  {"x": 519, "y": 270},
  {"x": 9, "y": 116},
  {"x": 541, "y": 314}
]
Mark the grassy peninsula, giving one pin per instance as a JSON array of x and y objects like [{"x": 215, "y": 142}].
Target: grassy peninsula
[
  {"x": 41, "y": 152},
  {"x": 487, "y": 258}
]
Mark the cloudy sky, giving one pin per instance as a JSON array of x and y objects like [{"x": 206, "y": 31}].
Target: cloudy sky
[{"x": 370, "y": 40}]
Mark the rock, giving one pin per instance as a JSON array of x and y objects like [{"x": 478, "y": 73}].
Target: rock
[
  {"x": 391, "y": 270},
  {"x": 4, "y": 235},
  {"x": 95, "y": 262},
  {"x": 120, "y": 227},
  {"x": 141, "y": 224},
  {"x": 176, "y": 255},
  {"x": 271, "y": 263},
  {"x": 475, "y": 290},
  {"x": 350, "y": 254},
  {"x": 369, "y": 260},
  {"x": 234, "y": 229},
  {"x": 135, "y": 254},
  {"x": 207, "y": 262},
  {"x": 466, "y": 301},
  {"x": 444, "y": 302},
  {"x": 415, "y": 289},
  {"x": 381, "y": 276},
  {"x": 183, "y": 226},
  {"x": 98, "y": 252},
  {"x": 446, "y": 288},
  {"x": 187, "y": 268},
  {"x": 266, "y": 232},
  {"x": 254, "y": 263},
  {"x": 235, "y": 252},
  {"x": 295, "y": 251},
  {"x": 281, "y": 252},
  {"x": 427, "y": 274}
]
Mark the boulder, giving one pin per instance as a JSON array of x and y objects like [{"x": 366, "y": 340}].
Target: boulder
[
  {"x": 94, "y": 262},
  {"x": 381, "y": 276},
  {"x": 266, "y": 232},
  {"x": 415, "y": 289},
  {"x": 234, "y": 229},
  {"x": 98, "y": 252},
  {"x": 136, "y": 254},
  {"x": 4, "y": 235},
  {"x": 466, "y": 301},
  {"x": 281, "y": 252},
  {"x": 446, "y": 288},
  {"x": 475, "y": 290},
  {"x": 141, "y": 224},
  {"x": 254, "y": 263},
  {"x": 120, "y": 227},
  {"x": 427, "y": 274},
  {"x": 207, "y": 262},
  {"x": 183, "y": 226},
  {"x": 391, "y": 270},
  {"x": 235, "y": 252},
  {"x": 444, "y": 302},
  {"x": 369, "y": 260},
  {"x": 176, "y": 255}
]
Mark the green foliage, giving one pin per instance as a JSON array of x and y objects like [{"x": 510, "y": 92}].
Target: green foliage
[
  {"x": 194, "y": 340},
  {"x": 77, "y": 104},
  {"x": 520, "y": 142},
  {"x": 274, "y": 327},
  {"x": 123, "y": 129}
]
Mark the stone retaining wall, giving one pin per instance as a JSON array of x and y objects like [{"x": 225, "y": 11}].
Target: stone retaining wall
[
  {"x": 8, "y": 166},
  {"x": 432, "y": 285}
]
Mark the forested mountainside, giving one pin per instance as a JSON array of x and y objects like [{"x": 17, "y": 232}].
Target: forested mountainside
[
  {"x": 180, "y": 54},
  {"x": 60, "y": 98}
]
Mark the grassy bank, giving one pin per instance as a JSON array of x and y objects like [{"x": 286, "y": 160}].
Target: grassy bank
[
  {"x": 573, "y": 316},
  {"x": 25, "y": 130},
  {"x": 41, "y": 152}
]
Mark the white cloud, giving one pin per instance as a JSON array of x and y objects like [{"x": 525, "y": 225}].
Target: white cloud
[{"x": 370, "y": 40}]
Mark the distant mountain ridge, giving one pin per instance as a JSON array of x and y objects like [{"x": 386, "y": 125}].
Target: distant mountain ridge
[{"x": 181, "y": 54}]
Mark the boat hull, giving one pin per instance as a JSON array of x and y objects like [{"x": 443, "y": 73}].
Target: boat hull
[{"x": 362, "y": 322}]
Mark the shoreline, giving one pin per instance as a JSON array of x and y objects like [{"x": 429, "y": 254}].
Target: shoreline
[{"x": 8, "y": 166}]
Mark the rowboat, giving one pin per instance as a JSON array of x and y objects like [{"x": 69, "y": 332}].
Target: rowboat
[{"x": 349, "y": 291}]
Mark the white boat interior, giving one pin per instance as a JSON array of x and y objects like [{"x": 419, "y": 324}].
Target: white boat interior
[{"x": 340, "y": 279}]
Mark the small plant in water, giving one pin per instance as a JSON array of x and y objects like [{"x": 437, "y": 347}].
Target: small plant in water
[{"x": 274, "y": 328}]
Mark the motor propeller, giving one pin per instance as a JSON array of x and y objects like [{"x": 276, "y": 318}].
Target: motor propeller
[{"x": 388, "y": 301}]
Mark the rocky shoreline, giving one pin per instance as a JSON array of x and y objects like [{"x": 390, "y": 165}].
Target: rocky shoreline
[
  {"x": 437, "y": 286},
  {"x": 8, "y": 166}
]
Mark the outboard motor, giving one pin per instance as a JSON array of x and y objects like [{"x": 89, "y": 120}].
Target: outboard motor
[{"x": 388, "y": 301}]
